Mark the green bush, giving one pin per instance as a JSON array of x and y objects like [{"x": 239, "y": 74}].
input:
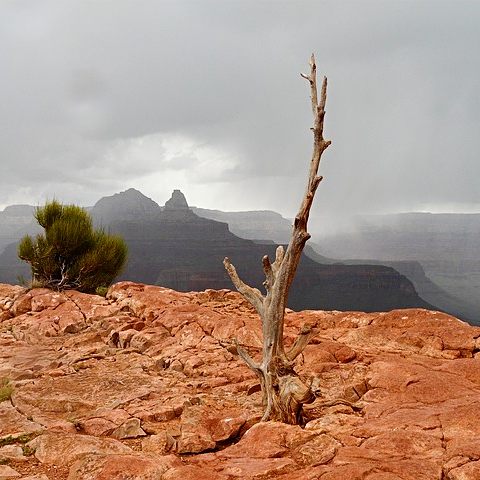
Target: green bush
[
  {"x": 102, "y": 291},
  {"x": 71, "y": 253},
  {"x": 6, "y": 389}
]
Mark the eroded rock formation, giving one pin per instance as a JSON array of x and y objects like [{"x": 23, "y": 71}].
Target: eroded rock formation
[
  {"x": 172, "y": 246},
  {"x": 146, "y": 384}
]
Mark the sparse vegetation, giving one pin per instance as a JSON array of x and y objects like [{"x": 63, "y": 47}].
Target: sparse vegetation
[
  {"x": 75, "y": 422},
  {"x": 22, "y": 439},
  {"x": 102, "y": 291},
  {"x": 27, "y": 451},
  {"x": 71, "y": 253},
  {"x": 6, "y": 389}
]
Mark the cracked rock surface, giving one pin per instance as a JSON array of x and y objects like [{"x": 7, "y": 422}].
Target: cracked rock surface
[{"x": 146, "y": 384}]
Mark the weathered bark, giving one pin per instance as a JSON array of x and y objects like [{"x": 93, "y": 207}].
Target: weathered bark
[{"x": 284, "y": 393}]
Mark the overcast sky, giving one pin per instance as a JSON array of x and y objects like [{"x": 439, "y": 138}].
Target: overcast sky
[{"x": 99, "y": 96}]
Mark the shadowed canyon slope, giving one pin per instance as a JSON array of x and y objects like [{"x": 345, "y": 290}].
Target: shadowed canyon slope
[
  {"x": 446, "y": 245},
  {"x": 174, "y": 247},
  {"x": 178, "y": 249},
  {"x": 146, "y": 384},
  {"x": 16, "y": 221},
  {"x": 438, "y": 253}
]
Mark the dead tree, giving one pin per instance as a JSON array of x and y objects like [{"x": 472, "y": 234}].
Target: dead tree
[{"x": 283, "y": 391}]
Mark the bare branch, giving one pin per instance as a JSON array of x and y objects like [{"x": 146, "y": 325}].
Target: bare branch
[
  {"x": 253, "y": 295},
  {"x": 312, "y": 79},
  {"x": 247, "y": 358},
  {"x": 319, "y": 146},
  {"x": 279, "y": 256},
  {"x": 269, "y": 276},
  {"x": 300, "y": 342},
  {"x": 313, "y": 83},
  {"x": 323, "y": 95}
]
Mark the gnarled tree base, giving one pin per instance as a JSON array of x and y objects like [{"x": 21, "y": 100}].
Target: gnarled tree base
[{"x": 284, "y": 397}]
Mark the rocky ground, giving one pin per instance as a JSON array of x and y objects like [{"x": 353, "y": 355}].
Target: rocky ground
[{"x": 146, "y": 384}]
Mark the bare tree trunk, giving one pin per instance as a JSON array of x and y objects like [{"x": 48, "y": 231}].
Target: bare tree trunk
[{"x": 283, "y": 391}]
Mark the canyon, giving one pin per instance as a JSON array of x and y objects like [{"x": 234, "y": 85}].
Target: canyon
[{"x": 173, "y": 247}]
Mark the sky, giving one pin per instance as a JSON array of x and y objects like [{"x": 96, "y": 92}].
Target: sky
[{"x": 98, "y": 96}]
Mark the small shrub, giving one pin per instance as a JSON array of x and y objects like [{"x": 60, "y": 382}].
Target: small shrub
[
  {"x": 71, "y": 253},
  {"x": 102, "y": 291},
  {"x": 27, "y": 451},
  {"x": 6, "y": 389}
]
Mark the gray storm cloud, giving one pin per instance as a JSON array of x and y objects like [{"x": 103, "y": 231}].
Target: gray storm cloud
[{"x": 206, "y": 96}]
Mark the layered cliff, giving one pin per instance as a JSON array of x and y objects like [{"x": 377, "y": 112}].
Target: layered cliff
[
  {"x": 174, "y": 247},
  {"x": 178, "y": 249}
]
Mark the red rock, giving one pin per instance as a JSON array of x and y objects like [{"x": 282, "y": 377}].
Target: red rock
[
  {"x": 10, "y": 291},
  {"x": 250, "y": 334},
  {"x": 255, "y": 467},
  {"x": 61, "y": 426},
  {"x": 226, "y": 428},
  {"x": 117, "y": 415},
  {"x": 11, "y": 452},
  {"x": 13, "y": 423},
  {"x": 192, "y": 364},
  {"x": 143, "y": 340},
  {"x": 202, "y": 429},
  {"x": 153, "y": 411},
  {"x": 191, "y": 472},
  {"x": 345, "y": 354},
  {"x": 268, "y": 440},
  {"x": 227, "y": 330},
  {"x": 7, "y": 472},
  {"x": 190, "y": 335},
  {"x": 469, "y": 471},
  {"x": 308, "y": 473},
  {"x": 70, "y": 320},
  {"x": 22, "y": 304},
  {"x": 130, "y": 429},
  {"x": 64, "y": 449},
  {"x": 124, "y": 337},
  {"x": 314, "y": 354},
  {"x": 165, "y": 362},
  {"x": 159, "y": 444},
  {"x": 92, "y": 306},
  {"x": 98, "y": 427},
  {"x": 40, "y": 476},
  {"x": 317, "y": 451},
  {"x": 122, "y": 467},
  {"x": 47, "y": 300},
  {"x": 195, "y": 442},
  {"x": 398, "y": 444}
]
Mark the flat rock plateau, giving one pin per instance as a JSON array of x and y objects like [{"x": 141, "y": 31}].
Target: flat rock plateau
[{"x": 146, "y": 384}]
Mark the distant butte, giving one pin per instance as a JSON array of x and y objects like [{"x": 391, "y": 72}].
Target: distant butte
[{"x": 177, "y": 201}]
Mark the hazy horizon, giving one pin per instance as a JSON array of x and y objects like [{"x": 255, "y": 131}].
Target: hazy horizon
[
  {"x": 320, "y": 226},
  {"x": 438, "y": 210}
]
